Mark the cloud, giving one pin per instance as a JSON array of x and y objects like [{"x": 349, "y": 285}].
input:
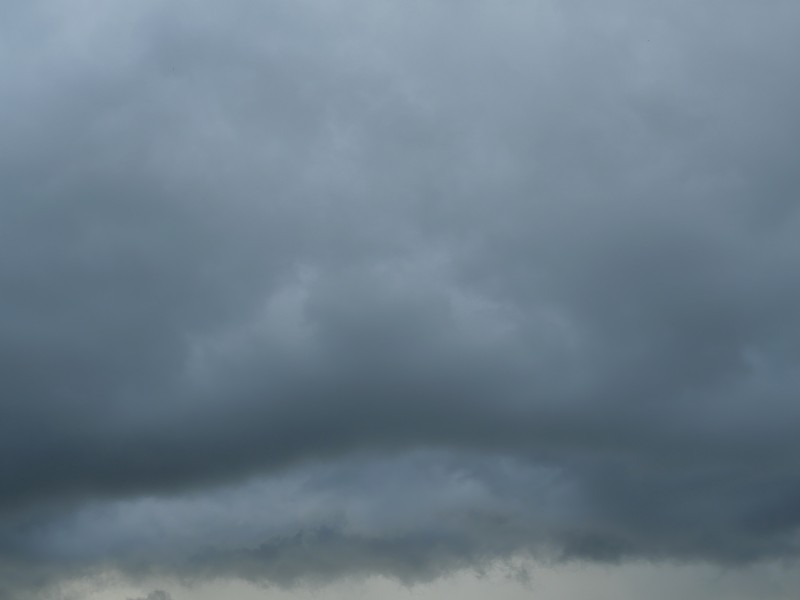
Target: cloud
[
  {"x": 400, "y": 288},
  {"x": 157, "y": 595}
]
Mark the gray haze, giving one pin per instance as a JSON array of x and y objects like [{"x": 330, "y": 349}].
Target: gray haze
[
  {"x": 157, "y": 595},
  {"x": 300, "y": 290}
]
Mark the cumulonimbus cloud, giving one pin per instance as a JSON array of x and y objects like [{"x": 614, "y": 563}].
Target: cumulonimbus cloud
[{"x": 295, "y": 291}]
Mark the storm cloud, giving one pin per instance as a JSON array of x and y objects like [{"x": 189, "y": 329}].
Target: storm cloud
[{"x": 300, "y": 290}]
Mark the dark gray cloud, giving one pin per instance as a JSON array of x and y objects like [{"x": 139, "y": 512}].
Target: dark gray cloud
[{"x": 296, "y": 291}]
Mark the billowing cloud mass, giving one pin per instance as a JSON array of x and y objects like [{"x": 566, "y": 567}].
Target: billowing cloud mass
[{"x": 299, "y": 290}]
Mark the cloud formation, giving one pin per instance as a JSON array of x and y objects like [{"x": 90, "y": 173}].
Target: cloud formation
[
  {"x": 157, "y": 595},
  {"x": 293, "y": 291}
]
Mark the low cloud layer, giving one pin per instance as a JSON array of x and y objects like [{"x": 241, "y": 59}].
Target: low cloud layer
[
  {"x": 157, "y": 595},
  {"x": 293, "y": 291}
]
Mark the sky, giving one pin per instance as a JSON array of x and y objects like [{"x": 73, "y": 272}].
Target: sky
[{"x": 399, "y": 299}]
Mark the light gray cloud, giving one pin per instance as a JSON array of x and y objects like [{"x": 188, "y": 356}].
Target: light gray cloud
[
  {"x": 157, "y": 595},
  {"x": 444, "y": 282}
]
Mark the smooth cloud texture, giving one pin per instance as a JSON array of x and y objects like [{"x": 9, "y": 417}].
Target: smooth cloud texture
[
  {"x": 157, "y": 595},
  {"x": 292, "y": 290}
]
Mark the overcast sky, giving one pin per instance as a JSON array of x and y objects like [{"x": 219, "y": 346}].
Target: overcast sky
[{"x": 426, "y": 298}]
